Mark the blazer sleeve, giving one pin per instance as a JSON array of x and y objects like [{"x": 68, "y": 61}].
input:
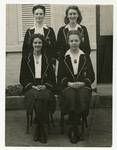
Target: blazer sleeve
[
  {"x": 89, "y": 74},
  {"x": 62, "y": 78},
  {"x": 51, "y": 40},
  {"x": 61, "y": 43},
  {"x": 51, "y": 79},
  {"x": 24, "y": 75},
  {"x": 86, "y": 43},
  {"x": 26, "y": 43}
]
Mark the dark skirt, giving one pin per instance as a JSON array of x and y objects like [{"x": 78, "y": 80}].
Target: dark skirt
[
  {"x": 43, "y": 102},
  {"x": 75, "y": 100}
]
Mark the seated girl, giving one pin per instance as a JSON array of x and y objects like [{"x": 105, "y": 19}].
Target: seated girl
[
  {"x": 38, "y": 79},
  {"x": 75, "y": 76}
]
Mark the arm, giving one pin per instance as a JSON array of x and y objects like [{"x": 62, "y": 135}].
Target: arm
[
  {"x": 51, "y": 41},
  {"x": 89, "y": 72},
  {"x": 50, "y": 82},
  {"x": 24, "y": 75},
  {"x": 62, "y": 79},
  {"x": 61, "y": 43},
  {"x": 86, "y": 42},
  {"x": 26, "y": 43}
]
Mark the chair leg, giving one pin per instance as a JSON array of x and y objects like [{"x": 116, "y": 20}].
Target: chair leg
[
  {"x": 84, "y": 121},
  {"x": 51, "y": 119},
  {"x": 48, "y": 123},
  {"x": 83, "y": 124},
  {"x": 31, "y": 118},
  {"x": 62, "y": 123},
  {"x": 28, "y": 118}
]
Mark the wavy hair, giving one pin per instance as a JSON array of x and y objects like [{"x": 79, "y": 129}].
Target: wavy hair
[
  {"x": 79, "y": 19},
  {"x": 40, "y": 36},
  {"x": 78, "y": 32}
]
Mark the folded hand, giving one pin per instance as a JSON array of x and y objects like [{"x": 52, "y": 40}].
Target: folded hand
[{"x": 76, "y": 84}]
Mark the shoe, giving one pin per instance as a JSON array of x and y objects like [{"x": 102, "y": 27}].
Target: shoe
[
  {"x": 43, "y": 137},
  {"x": 36, "y": 134},
  {"x": 73, "y": 136}
]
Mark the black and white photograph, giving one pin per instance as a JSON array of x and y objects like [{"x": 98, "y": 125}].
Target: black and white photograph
[{"x": 59, "y": 75}]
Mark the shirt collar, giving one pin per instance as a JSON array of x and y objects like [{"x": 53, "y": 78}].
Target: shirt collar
[
  {"x": 44, "y": 26},
  {"x": 76, "y": 27},
  {"x": 70, "y": 54}
]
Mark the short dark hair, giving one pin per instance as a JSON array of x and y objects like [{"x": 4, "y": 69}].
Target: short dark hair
[
  {"x": 66, "y": 20},
  {"x": 78, "y": 32},
  {"x": 40, "y": 36},
  {"x": 38, "y": 7}
]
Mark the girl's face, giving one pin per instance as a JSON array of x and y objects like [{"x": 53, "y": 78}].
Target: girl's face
[
  {"x": 37, "y": 45},
  {"x": 74, "y": 42},
  {"x": 39, "y": 15},
  {"x": 72, "y": 15}
]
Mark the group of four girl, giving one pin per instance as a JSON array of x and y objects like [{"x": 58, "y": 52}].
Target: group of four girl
[{"x": 75, "y": 71}]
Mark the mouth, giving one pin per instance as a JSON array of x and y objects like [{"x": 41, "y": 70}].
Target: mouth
[
  {"x": 74, "y": 45},
  {"x": 39, "y": 19},
  {"x": 37, "y": 48},
  {"x": 73, "y": 19}
]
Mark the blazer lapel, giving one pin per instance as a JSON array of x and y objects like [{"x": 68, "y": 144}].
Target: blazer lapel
[
  {"x": 30, "y": 63},
  {"x": 44, "y": 66},
  {"x": 65, "y": 31},
  {"x": 82, "y": 63},
  {"x": 46, "y": 33},
  {"x": 68, "y": 63},
  {"x": 31, "y": 32}
]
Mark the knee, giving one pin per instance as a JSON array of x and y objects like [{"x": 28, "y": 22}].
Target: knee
[
  {"x": 30, "y": 94},
  {"x": 44, "y": 94},
  {"x": 69, "y": 93}
]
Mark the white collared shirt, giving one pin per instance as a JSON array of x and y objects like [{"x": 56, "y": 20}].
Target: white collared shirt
[
  {"x": 76, "y": 57},
  {"x": 39, "y": 30},
  {"x": 76, "y": 27},
  {"x": 38, "y": 64}
]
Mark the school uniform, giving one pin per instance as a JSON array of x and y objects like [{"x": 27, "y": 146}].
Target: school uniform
[
  {"x": 62, "y": 44},
  {"x": 50, "y": 39},
  {"x": 43, "y": 100},
  {"x": 72, "y": 99}
]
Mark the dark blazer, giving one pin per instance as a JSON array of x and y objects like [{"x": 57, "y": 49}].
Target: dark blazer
[
  {"x": 49, "y": 38},
  {"x": 85, "y": 71},
  {"x": 27, "y": 72},
  {"x": 62, "y": 44}
]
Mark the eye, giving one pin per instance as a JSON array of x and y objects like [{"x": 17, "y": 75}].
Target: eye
[{"x": 74, "y": 13}]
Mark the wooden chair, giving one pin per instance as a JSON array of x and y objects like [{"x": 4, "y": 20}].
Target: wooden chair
[
  {"x": 29, "y": 119},
  {"x": 84, "y": 123}
]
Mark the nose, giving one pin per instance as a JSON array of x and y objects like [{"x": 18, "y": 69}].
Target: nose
[
  {"x": 72, "y": 15},
  {"x": 38, "y": 15},
  {"x": 37, "y": 45},
  {"x": 74, "y": 42}
]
